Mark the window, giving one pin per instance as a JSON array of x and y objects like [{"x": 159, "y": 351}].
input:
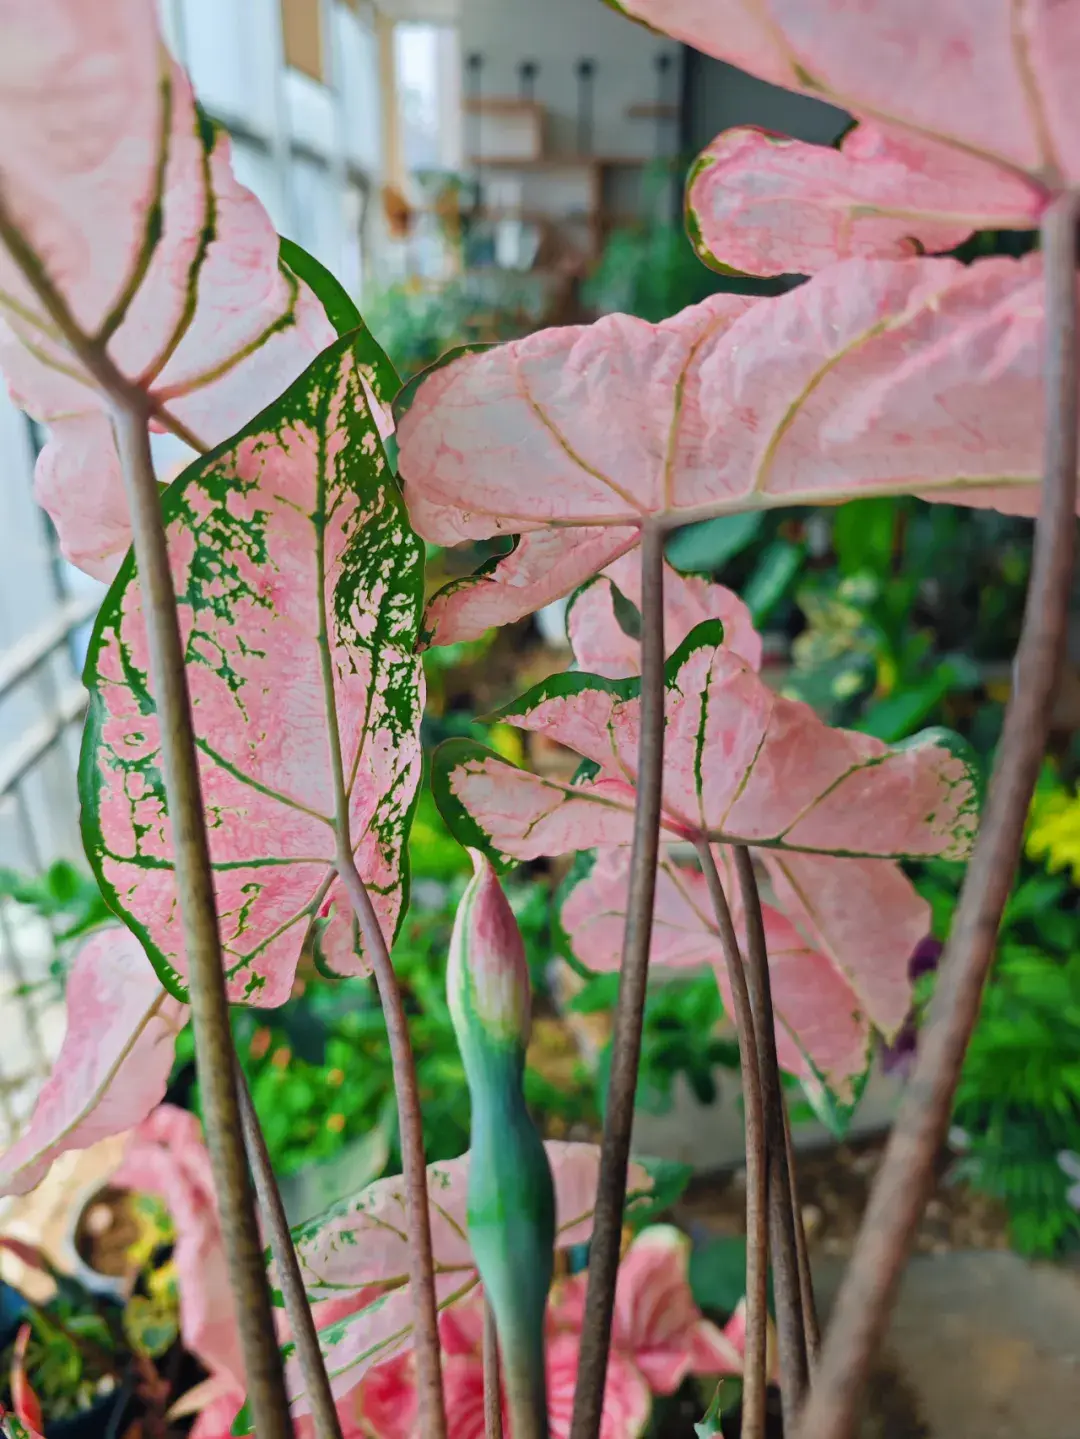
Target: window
[
  {"x": 302, "y": 39},
  {"x": 427, "y": 80}
]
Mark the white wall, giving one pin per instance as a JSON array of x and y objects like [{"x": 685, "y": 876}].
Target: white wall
[{"x": 556, "y": 34}]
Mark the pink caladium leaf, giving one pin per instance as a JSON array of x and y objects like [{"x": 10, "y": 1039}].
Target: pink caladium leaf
[
  {"x": 627, "y": 1401},
  {"x": 822, "y": 1012},
  {"x": 113, "y": 1065},
  {"x": 971, "y": 108},
  {"x": 603, "y": 619},
  {"x": 300, "y": 586},
  {"x": 119, "y": 192},
  {"x": 656, "y": 1324},
  {"x": 742, "y": 765},
  {"x": 764, "y": 204},
  {"x": 385, "y": 1403},
  {"x": 876, "y": 377},
  {"x": 166, "y": 1156},
  {"x": 361, "y": 1242}
]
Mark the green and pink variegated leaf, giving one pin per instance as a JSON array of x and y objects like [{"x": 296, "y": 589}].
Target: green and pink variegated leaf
[
  {"x": 741, "y": 764},
  {"x": 876, "y": 377},
  {"x": 822, "y": 1017},
  {"x": 360, "y": 1245},
  {"x": 386, "y": 1403},
  {"x": 300, "y": 587},
  {"x": 120, "y": 193},
  {"x": 603, "y": 619},
  {"x": 764, "y": 204},
  {"x": 113, "y": 1065}
]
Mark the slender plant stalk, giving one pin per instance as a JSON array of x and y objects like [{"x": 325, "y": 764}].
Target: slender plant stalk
[
  {"x": 301, "y": 1322},
  {"x": 811, "y": 1329},
  {"x": 790, "y": 1325},
  {"x": 214, "y": 1054},
  {"x": 432, "y": 1412},
  {"x": 493, "y": 1428},
  {"x": 630, "y": 1007},
  {"x": 410, "y": 1126},
  {"x": 900, "y": 1191},
  {"x": 755, "y": 1375}
]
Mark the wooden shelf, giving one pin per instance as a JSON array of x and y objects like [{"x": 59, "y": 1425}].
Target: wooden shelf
[
  {"x": 643, "y": 111},
  {"x": 557, "y": 162},
  {"x": 506, "y": 106}
]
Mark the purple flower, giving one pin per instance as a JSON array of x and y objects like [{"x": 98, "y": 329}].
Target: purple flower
[{"x": 899, "y": 1056}]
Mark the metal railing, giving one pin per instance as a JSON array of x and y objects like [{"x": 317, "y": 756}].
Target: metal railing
[{"x": 42, "y": 704}]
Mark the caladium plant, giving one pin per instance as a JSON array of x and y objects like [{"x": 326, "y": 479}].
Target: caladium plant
[
  {"x": 252, "y": 755},
  {"x": 878, "y": 377},
  {"x": 299, "y": 586},
  {"x": 743, "y": 766},
  {"x": 826, "y": 996},
  {"x": 966, "y": 123},
  {"x": 121, "y": 192},
  {"x": 659, "y": 1338},
  {"x": 823, "y": 1023},
  {"x": 114, "y": 1063},
  {"x": 357, "y": 1248},
  {"x": 603, "y": 618}
]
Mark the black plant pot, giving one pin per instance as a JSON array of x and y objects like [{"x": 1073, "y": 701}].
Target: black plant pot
[
  {"x": 107, "y": 1417},
  {"x": 12, "y": 1313}
]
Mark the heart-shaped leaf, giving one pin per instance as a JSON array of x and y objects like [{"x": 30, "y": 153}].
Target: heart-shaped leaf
[
  {"x": 359, "y": 1248},
  {"x": 741, "y": 765},
  {"x": 876, "y": 377},
  {"x": 988, "y": 80},
  {"x": 113, "y": 1065},
  {"x": 605, "y": 638},
  {"x": 119, "y": 192},
  {"x": 299, "y": 585},
  {"x": 765, "y": 205},
  {"x": 820, "y": 1015}
]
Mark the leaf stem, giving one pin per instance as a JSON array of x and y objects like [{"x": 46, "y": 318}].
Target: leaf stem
[
  {"x": 410, "y": 1125},
  {"x": 214, "y": 1053},
  {"x": 811, "y": 1330},
  {"x": 493, "y": 1428},
  {"x": 630, "y": 1007},
  {"x": 790, "y": 1325},
  {"x": 432, "y": 1412},
  {"x": 900, "y": 1191},
  {"x": 755, "y": 1376},
  {"x": 301, "y": 1321}
]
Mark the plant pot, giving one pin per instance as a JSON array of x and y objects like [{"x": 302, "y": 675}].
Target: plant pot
[
  {"x": 12, "y": 1313},
  {"x": 96, "y": 1242},
  {"x": 111, "y": 1414}
]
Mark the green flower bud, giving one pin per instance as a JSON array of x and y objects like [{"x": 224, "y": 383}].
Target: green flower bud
[
  {"x": 487, "y": 976},
  {"x": 511, "y": 1208}
]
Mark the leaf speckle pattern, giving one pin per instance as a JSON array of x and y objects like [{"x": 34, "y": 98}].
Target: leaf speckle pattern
[
  {"x": 354, "y": 1257},
  {"x": 288, "y": 546}
]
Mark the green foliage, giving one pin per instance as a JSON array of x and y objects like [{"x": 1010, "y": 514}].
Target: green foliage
[
  {"x": 319, "y": 1067},
  {"x": 74, "y": 1356},
  {"x": 649, "y": 268},
  {"x": 1018, "y": 1103},
  {"x": 67, "y": 899},
  {"x": 65, "y": 894},
  {"x": 416, "y": 324},
  {"x": 679, "y": 1037}
]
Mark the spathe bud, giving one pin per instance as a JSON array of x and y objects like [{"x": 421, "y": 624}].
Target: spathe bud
[
  {"x": 487, "y": 975},
  {"x": 511, "y": 1198}
]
